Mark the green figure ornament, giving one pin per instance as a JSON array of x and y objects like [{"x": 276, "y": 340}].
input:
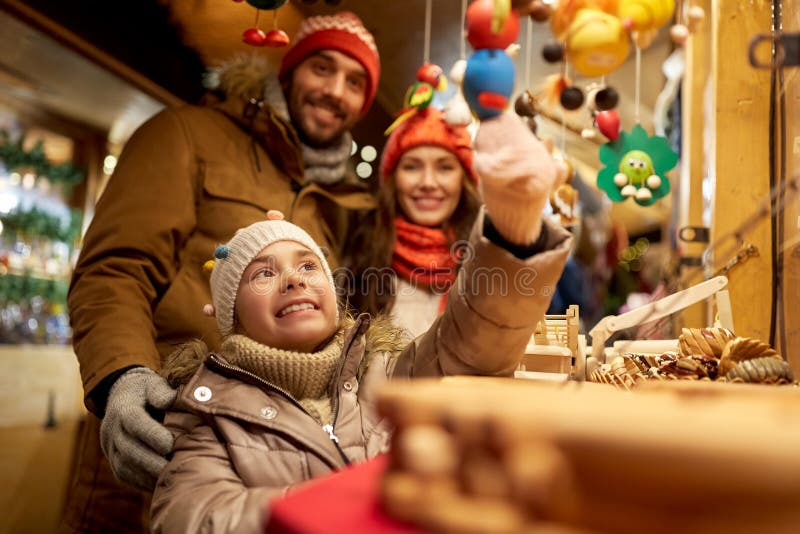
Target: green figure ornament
[{"x": 635, "y": 167}]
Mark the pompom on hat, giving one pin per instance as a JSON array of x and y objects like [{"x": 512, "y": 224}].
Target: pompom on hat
[
  {"x": 232, "y": 258},
  {"x": 427, "y": 127},
  {"x": 343, "y": 32}
]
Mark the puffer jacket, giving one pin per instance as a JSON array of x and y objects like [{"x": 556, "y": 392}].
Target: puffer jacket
[
  {"x": 185, "y": 182},
  {"x": 241, "y": 441}
]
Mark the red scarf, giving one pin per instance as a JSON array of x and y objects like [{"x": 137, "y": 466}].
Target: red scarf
[{"x": 422, "y": 256}]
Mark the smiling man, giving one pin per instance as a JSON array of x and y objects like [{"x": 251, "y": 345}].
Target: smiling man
[{"x": 186, "y": 181}]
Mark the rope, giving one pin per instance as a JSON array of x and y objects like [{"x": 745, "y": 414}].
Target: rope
[
  {"x": 638, "y": 83},
  {"x": 528, "y": 49},
  {"x": 426, "y": 55},
  {"x": 463, "y": 33}
]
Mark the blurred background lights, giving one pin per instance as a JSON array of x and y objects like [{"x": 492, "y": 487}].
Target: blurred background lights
[
  {"x": 368, "y": 153},
  {"x": 364, "y": 170},
  {"x": 109, "y": 163}
]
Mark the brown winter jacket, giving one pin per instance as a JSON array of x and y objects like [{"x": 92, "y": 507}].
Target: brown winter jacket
[
  {"x": 240, "y": 441},
  {"x": 186, "y": 181}
]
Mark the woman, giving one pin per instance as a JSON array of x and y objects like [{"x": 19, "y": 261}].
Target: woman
[{"x": 404, "y": 262}]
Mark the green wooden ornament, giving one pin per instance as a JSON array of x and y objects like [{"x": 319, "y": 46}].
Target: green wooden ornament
[{"x": 636, "y": 166}]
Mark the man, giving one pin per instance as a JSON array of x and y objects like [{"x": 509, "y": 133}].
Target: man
[{"x": 187, "y": 179}]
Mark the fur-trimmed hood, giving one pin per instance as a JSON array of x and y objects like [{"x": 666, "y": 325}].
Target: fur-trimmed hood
[
  {"x": 244, "y": 76},
  {"x": 381, "y": 336}
]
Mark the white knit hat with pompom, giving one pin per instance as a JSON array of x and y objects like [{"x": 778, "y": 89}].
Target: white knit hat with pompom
[{"x": 231, "y": 260}]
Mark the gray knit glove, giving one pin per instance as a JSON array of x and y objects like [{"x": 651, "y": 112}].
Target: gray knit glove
[{"x": 135, "y": 444}]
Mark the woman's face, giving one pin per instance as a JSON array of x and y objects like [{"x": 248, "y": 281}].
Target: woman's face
[{"x": 428, "y": 180}]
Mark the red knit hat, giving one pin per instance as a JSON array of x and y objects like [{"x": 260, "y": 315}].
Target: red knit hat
[
  {"x": 342, "y": 32},
  {"x": 427, "y": 127}
]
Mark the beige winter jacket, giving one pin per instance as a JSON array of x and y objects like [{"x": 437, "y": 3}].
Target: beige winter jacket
[{"x": 240, "y": 441}]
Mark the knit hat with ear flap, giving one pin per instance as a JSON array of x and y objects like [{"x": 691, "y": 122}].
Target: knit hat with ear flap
[
  {"x": 427, "y": 127},
  {"x": 343, "y": 32},
  {"x": 232, "y": 259}
]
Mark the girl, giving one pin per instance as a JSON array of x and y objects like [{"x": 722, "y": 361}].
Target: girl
[{"x": 290, "y": 395}]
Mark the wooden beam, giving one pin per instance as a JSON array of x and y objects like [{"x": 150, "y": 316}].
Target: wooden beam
[
  {"x": 740, "y": 134},
  {"x": 694, "y": 164},
  {"x": 58, "y": 32}
]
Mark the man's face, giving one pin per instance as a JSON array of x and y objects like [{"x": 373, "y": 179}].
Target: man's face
[{"x": 326, "y": 95}]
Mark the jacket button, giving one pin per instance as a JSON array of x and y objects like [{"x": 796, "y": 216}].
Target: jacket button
[
  {"x": 202, "y": 394},
  {"x": 348, "y": 386},
  {"x": 268, "y": 412}
]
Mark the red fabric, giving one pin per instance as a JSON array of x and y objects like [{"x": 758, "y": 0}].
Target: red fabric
[
  {"x": 427, "y": 127},
  {"x": 346, "y": 501},
  {"x": 422, "y": 256},
  {"x": 343, "y": 32}
]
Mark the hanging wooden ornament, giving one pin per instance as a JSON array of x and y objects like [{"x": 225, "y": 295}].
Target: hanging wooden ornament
[
  {"x": 635, "y": 166},
  {"x": 645, "y": 15},
  {"x": 489, "y": 77},
  {"x": 255, "y": 36},
  {"x": 608, "y": 123}
]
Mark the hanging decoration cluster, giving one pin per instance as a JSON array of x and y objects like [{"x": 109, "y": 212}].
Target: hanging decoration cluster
[{"x": 594, "y": 37}]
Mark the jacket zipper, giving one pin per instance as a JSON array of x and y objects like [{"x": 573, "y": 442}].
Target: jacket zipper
[
  {"x": 333, "y": 437},
  {"x": 328, "y": 429}
]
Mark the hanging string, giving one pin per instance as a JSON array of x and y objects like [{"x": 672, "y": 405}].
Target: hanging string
[
  {"x": 680, "y": 11},
  {"x": 563, "y": 117},
  {"x": 463, "y": 32},
  {"x": 638, "y": 83},
  {"x": 275, "y": 20},
  {"x": 528, "y": 48},
  {"x": 257, "y": 12},
  {"x": 427, "y": 50}
]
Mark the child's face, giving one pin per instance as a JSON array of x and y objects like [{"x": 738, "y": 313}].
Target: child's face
[{"x": 285, "y": 300}]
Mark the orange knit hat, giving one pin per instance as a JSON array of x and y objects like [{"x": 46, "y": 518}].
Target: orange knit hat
[{"x": 427, "y": 127}]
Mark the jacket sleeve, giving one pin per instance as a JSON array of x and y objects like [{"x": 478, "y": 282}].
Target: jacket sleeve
[
  {"x": 200, "y": 492},
  {"x": 130, "y": 252},
  {"x": 492, "y": 309}
]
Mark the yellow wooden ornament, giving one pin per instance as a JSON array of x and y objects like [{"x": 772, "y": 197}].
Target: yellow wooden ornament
[{"x": 596, "y": 43}]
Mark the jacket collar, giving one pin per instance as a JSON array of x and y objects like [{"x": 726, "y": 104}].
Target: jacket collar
[{"x": 274, "y": 134}]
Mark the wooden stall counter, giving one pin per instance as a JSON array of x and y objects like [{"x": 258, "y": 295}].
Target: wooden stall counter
[{"x": 502, "y": 456}]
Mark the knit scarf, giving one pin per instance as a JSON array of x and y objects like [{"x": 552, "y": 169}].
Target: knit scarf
[
  {"x": 422, "y": 256},
  {"x": 305, "y": 376},
  {"x": 322, "y": 165}
]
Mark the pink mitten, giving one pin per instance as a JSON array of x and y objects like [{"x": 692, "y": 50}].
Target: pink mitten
[{"x": 516, "y": 174}]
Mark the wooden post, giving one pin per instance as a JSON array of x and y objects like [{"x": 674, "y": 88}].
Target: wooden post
[
  {"x": 790, "y": 330},
  {"x": 740, "y": 134},
  {"x": 694, "y": 162}
]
